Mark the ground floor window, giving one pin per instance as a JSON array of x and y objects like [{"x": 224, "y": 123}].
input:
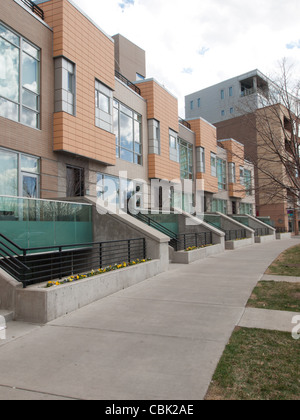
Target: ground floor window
[
  {"x": 19, "y": 174},
  {"x": 246, "y": 208},
  {"x": 219, "y": 205},
  {"x": 117, "y": 192}
]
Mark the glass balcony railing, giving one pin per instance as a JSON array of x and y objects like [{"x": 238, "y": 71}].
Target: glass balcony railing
[{"x": 32, "y": 223}]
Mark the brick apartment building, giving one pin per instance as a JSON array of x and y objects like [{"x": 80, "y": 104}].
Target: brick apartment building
[{"x": 77, "y": 108}]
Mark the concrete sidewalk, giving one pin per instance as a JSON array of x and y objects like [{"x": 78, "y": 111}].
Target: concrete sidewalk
[{"x": 161, "y": 339}]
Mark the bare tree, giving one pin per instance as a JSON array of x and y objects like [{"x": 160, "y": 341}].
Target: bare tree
[{"x": 271, "y": 121}]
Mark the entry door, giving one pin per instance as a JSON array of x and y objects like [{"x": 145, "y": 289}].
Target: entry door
[{"x": 75, "y": 181}]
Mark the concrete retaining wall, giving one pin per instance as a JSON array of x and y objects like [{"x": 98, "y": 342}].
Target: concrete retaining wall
[
  {"x": 264, "y": 239},
  {"x": 39, "y": 305},
  {"x": 231, "y": 245},
  {"x": 188, "y": 257},
  {"x": 282, "y": 236}
]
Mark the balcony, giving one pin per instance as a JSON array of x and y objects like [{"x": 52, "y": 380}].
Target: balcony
[
  {"x": 128, "y": 83},
  {"x": 34, "y": 8},
  {"x": 185, "y": 123}
]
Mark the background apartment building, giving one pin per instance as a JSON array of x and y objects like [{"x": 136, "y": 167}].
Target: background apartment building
[{"x": 237, "y": 108}]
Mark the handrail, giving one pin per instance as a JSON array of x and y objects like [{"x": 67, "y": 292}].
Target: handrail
[
  {"x": 185, "y": 123},
  {"x": 128, "y": 82},
  {"x": 156, "y": 225},
  {"x": 11, "y": 242},
  {"x": 63, "y": 260},
  {"x": 35, "y": 8}
]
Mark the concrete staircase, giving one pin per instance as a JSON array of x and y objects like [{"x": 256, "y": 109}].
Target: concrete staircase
[{"x": 7, "y": 315}]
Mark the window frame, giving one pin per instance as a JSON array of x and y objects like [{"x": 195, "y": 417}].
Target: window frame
[
  {"x": 120, "y": 109},
  {"x": 213, "y": 168},
  {"x": 222, "y": 176},
  {"x": 22, "y": 172},
  {"x": 21, "y": 107}
]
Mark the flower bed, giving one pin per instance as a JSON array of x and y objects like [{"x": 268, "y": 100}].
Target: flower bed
[
  {"x": 93, "y": 273},
  {"x": 193, "y": 248}
]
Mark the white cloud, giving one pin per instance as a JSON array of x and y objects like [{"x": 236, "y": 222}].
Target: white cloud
[{"x": 191, "y": 44}]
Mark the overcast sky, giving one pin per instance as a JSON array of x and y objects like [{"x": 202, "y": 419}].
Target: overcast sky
[{"x": 193, "y": 44}]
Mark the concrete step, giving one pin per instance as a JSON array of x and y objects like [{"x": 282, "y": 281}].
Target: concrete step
[{"x": 7, "y": 315}]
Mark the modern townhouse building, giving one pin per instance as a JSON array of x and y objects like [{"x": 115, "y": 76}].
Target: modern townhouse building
[
  {"x": 77, "y": 110},
  {"x": 238, "y": 107},
  {"x": 83, "y": 129}
]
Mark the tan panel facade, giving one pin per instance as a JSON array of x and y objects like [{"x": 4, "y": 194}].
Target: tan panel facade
[
  {"x": 77, "y": 39},
  {"x": 206, "y": 137},
  {"x": 163, "y": 107}
]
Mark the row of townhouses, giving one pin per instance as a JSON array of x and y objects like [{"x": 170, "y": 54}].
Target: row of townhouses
[
  {"x": 77, "y": 108},
  {"x": 97, "y": 169}
]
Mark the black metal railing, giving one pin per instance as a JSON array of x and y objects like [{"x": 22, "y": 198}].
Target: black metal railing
[
  {"x": 281, "y": 230},
  {"x": 233, "y": 235},
  {"x": 10, "y": 259},
  {"x": 190, "y": 240},
  {"x": 179, "y": 241},
  {"x": 156, "y": 225},
  {"x": 37, "y": 265},
  {"x": 128, "y": 82},
  {"x": 185, "y": 123},
  {"x": 262, "y": 232},
  {"x": 34, "y": 7}
]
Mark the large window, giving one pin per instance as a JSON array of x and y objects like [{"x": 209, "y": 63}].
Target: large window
[
  {"x": 174, "y": 146},
  {"x": 248, "y": 181},
  {"x": 219, "y": 205},
  {"x": 128, "y": 131},
  {"x": 104, "y": 107},
  {"x": 19, "y": 174},
  {"x": 186, "y": 160},
  {"x": 232, "y": 174},
  {"x": 118, "y": 192},
  {"x": 19, "y": 79},
  {"x": 200, "y": 155},
  {"x": 213, "y": 164},
  {"x": 246, "y": 208},
  {"x": 154, "y": 136},
  {"x": 222, "y": 174},
  {"x": 65, "y": 86}
]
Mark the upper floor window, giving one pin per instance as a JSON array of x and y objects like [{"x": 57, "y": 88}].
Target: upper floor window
[
  {"x": 200, "y": 154},
  {"x": 154, "y": 136},
  {"x": 232, "y": 174},
  {"x": 186, "y": 160},
  {"x": 221, "y": 174},
  {"x": 19, "y": 174},
  {"x": 213, "y": 164},
  {"x": 128, "y": 131},
  {"x": 248, "y": 181},
  {"x": 104, "y": 107},
  {"x": 65, "y": 86},
  {"x": 174, "y": 147},
  {"x": 19, "y": 79}
]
